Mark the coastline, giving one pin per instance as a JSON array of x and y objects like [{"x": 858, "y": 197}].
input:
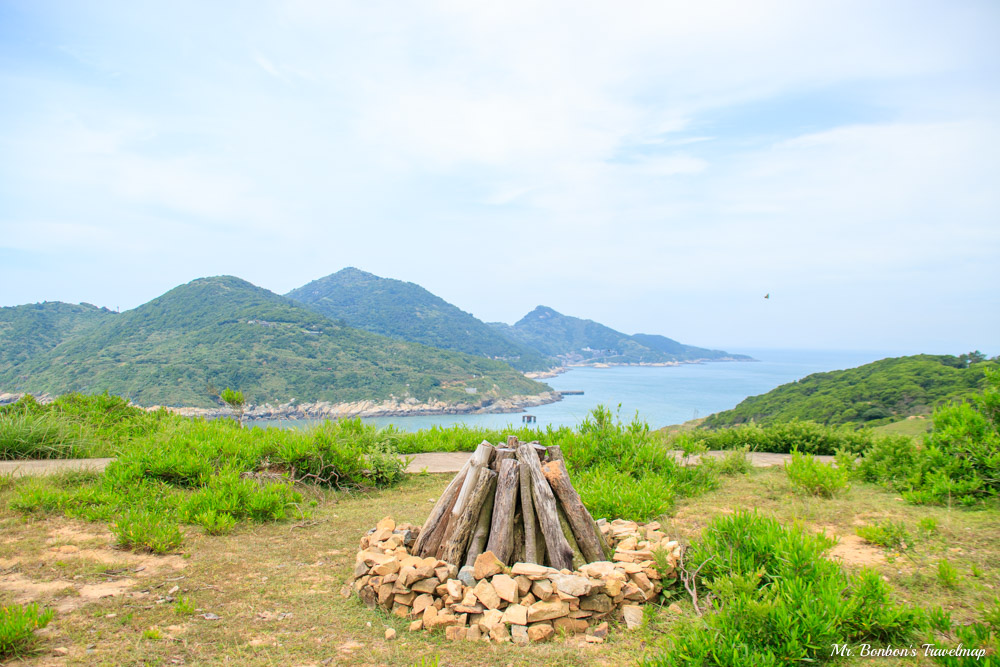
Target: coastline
[
  {"x": 390, "y": 408},
  {"x": 327, "y": 410}
]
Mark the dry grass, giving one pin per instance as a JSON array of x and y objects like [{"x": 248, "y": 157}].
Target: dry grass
[{"x": 276, "y": 588}]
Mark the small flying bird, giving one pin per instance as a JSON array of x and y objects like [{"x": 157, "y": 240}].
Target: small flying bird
[{"x": 767, "y": 296}]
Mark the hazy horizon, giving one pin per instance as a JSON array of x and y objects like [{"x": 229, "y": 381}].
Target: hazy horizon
[{"x": 655, "y": 167}]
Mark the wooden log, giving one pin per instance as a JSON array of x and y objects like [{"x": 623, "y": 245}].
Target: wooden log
[
  {"x": 482, "y": 533},
  {"x": 458, "y": 542},
  {"x": 578, "y": 557},
  {"x": 512, "y": 442},
  {"x": 518, "y": 555},
  {"x": 439, "y": 514},
  {"x": 585, "y": 530},
  {"x": 501, "y": 541},
  {"x": 554, "y": 453},
  {"x": 477, "y": 463},
  {"x": 502, "y": 454},
  {"x": 433, "y": 544},
  {"x": 528, "y": 515},
  {"x": 560, "y": 554}
]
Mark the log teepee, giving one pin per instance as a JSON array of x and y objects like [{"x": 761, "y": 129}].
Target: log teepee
[{"x": 516, "y": 501}]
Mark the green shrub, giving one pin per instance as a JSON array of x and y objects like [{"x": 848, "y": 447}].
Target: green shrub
[
  {"x": 612, "y": 494},
  {"x": 229, "y": 494},
  {"x": 928, "y": 524},
  {"x": 733, "y": 462},
  {"x": 144, "y": 531},
  {"x": 622, "y": 471},
  {"x": 777, "y": 600},
  {"x": 804, "y": 436},
  {"x": 24, "y": 435},
  {"x": 888, "y": 534},
  {"x": 947, "y": 574},
  {"x": 17, "y": 627},
  {"x": 957, "y": 464},
  {"x": 815, "y": 478},
  {"x": 215, "y": 523}
]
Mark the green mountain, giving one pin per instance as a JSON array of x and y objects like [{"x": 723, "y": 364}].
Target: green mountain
[
  {"x": 217, "y": 332},
  {"x": 575, "y": 340},
  {"x": 29, "y": 330},
  {"x": 409, "y": 312},
  {"x": 876, "y": 393}
]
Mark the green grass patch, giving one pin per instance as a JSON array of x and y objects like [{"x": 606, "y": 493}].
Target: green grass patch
[
  {"x": 815, "y": 478},
  {"x": 888, "y": 534},
  {"x": 776, "y": 600},
  {"x": 17, "y": 628}
]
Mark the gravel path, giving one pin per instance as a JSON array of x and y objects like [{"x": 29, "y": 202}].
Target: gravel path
[{"x": 431, "y": 462}]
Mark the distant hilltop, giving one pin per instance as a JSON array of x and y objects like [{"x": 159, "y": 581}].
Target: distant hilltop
[
  {"x": 351, "y": 336},
  {"x": 543, "y": 339},
  {"x": 577, "y": 341}
]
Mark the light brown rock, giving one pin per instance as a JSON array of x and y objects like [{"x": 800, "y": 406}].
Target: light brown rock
[
  {"x": 487, "y": 564},
  {"x": 516, "y": 614},
  {"x": 571, "y": 584},
  {"x": 523, "y": 585},
  {"x": 390, "y": 634},
  {"x": 500, "y": 633},
  {"x": 491, "y": 619},
  {"x": 598, "y": 569},
  {"x": 454, "y": 633},
  {"x": 596, "y": 602},
  {"x": 421, "y": 602},
  {"x": 540, "y": 632},
  {"x": 473, "y": 633},
  {"x": 546, "y": 610},
  {"x": 442, "y": 620},
  {"x": 632, "y": 614},
  {"x": 505, "y": 587},
  {"x": 487, "y": 595},
  {"x": 416, "y": 625},
  {"x": 455, "y": 588},
  {"x": 542, "y": 589},
  {"x": 570, "y": 625},
  {"x": 425, "y": 585},
  {"x": 532, "y": 570},
  {"x": 519, "y": 635}
]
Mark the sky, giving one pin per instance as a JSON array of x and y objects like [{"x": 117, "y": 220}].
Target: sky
[{"x": 658, "y": 167}]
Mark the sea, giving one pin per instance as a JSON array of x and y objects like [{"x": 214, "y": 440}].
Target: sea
[{"x": 660, "y": 395}]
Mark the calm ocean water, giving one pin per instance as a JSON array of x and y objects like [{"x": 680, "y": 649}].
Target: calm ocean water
[{"x": 661, "y": 395}]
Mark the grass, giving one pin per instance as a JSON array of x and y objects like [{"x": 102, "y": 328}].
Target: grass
[
  {"x": 300, "y": 567},
  {"x": 815, "y": 478},
  {"x": 17, "y": 628}
]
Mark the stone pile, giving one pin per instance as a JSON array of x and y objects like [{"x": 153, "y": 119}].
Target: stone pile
[{"x": 523, "y": 603}]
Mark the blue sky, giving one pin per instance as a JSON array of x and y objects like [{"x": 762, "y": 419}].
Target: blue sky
[{"x": 656, "y": 166}]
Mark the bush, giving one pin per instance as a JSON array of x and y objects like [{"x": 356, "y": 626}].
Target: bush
[
  {"x": 215, "y": 523},
  {"x": 17, "y": 627},
  {"x": 621, "y": 470},
  {"x": 958, "y": 463},
  {"x": 144, "y": 531},
  {"x": 783, "y": 438},
  {"x": 815, "y": 478},
  {"x": 778, "y": 600},
  {"x": 24, "y": 435},
  {"x": 888, "y": 534}
]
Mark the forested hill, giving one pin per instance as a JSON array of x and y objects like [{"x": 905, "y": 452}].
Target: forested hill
[
  {"x": 876, "y": 393},
  {"x": 409, "y": 312},
  {"x": 31, "y": 329},
  {"x": 582, "y": 341},
  {"x": 217, "y": 332}
]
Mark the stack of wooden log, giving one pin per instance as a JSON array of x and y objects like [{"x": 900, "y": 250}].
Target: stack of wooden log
[{"x": 517, "y": 501}]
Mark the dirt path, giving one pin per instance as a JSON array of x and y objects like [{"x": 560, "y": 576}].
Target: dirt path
[{"x": 430, "y": 462}]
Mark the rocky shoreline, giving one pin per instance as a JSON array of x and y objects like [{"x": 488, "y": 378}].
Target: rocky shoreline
[
  {"x": 325, "y": 410},
  {"x": 391, "y": 408}
]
